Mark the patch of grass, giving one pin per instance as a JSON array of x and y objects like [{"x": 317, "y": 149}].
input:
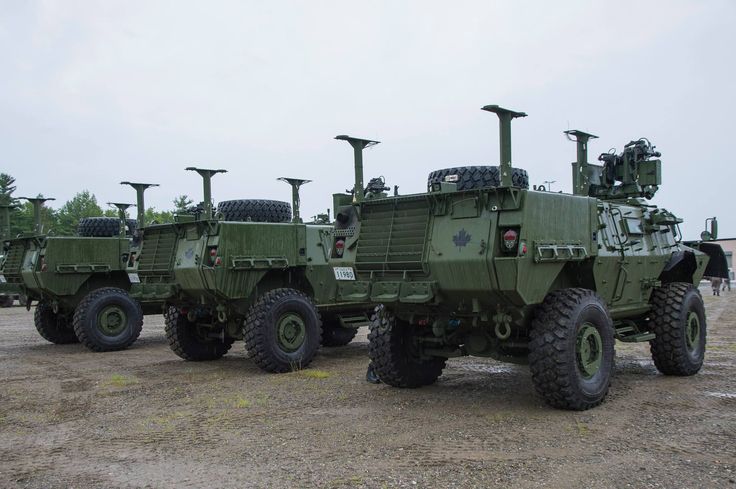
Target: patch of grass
[
  {"x": 163, "y": 423},
  {"x": 236, "y": 401},
  {"x": 118, "y": 380},
  {"x": 240, "y": 403},
  {"x": 497, "y": 417},
  {"x": 353, "y": 481},
  {"x": 583, "y": 429},
  {"x": 313, "y": 374}
]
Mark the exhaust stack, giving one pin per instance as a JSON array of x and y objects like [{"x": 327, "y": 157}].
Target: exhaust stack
[
  {"x": 505, "y": 116},
  {"x": 295, "y": 184},
  {"x": 140, "y": 188},
  {"x": 358, "y": 146},
  {"x": 206, "y": 175}
]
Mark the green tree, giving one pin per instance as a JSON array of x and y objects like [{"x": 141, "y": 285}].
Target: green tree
[
  {"x": 6, "y": 189},
  {"x": 84, "y": 204},
  {"x": 182, "y": 202},
  {"x": 21, "y": 220},
  {"x": 158, "y": 217}
]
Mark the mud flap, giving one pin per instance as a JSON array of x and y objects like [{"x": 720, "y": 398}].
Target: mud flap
[{"x": 717, "y": 265}]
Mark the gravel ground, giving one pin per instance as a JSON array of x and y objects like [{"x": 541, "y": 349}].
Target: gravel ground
[{"x": 145, "y": 418}]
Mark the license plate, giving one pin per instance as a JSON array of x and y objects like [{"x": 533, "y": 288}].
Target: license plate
[
  {"x": 2, "y": 279},
  {"x": 344, "y": 273},
  {"x": 134, "y": 278}
]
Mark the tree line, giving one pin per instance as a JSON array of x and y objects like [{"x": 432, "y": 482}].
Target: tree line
[{"x": 64, "y": 221}]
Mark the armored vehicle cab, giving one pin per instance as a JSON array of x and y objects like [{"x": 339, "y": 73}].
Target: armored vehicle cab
[{"x": 481, "y": 265}]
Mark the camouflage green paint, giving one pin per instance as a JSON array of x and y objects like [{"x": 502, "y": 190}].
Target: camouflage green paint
[{"x": 440, "y": 258}]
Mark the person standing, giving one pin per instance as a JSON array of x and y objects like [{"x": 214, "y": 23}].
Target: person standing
[{"x": 715, "y": 283}]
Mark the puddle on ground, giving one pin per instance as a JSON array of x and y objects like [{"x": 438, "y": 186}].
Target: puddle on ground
[
  {"x": 487, "y": 368},
  {"x": 722, "y": 395}
]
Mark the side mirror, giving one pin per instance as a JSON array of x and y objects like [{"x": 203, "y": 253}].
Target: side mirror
[{"x": 711, "y": 232}]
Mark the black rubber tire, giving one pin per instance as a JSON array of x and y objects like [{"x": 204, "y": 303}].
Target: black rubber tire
[
  {"x": 185, "y": 341},
  {"x": 553, "y": 359},
  {"x": 86, "y": 320},
  {"x": 260, "y": 330},
  {"x": 104, "y": 227},
  {"x": 334, "y": 334},
  {"x": 255, "y": 210},
  {"x": 132, "y": 225},
  {"x": 98, "y": 227},
  {"x": 53, "y": 327},
  {"x": 474, "y": 177},
  {"x": 371, "y": 376},
  {"x": 394, "y": 362},
  {"x": 6, "y": 300},
  {"x": 671, "y": 305}
]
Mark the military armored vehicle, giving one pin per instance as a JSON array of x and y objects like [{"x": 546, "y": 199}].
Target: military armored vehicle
[
  {"x": 9, "y": 293},
  {"x": 245, "y": 271},
  {"x": 482, "y": 265},
  {"x": 80, "y": 283}
]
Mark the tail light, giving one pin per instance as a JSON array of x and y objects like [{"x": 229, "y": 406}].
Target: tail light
[
  {"x": 213, "y": 258},
  {"x": 339, "y": 247},
  {"x": 510, "y": 240}
]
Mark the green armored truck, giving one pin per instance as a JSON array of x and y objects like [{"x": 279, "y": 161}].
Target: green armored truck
[
  {"x": 78, "y": 282},
  {"x": 248, "y": 271},
  {"x": 9, "y": 292},
  {"x": 482, "y": 265}
]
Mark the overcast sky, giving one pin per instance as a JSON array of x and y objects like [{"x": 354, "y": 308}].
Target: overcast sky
[{"x": 92, "y": 93}]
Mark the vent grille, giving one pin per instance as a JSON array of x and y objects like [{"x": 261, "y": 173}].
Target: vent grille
[
  {"x": 13, "y": 262},
  {"x": 157, "y": 254},
  {"x": 393, "y": 235}
]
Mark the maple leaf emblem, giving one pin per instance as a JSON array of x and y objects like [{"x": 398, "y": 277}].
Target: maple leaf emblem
[{"x": 462, "y": 238}]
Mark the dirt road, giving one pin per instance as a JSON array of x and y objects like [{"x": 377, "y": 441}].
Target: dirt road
[{"x": 145, "y": 418}]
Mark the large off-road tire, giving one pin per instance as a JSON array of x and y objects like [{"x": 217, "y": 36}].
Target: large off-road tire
[
  {"x": 256, "y": 210},
  {"x": 53, "y": 327},
  {"x": 189, "y": 341},
  {"x": 394, "y": 357},
  {"x": 108, "y": 319},
  {"x": 334, "y": 334},
  {"x": 678, "y": 320},
  {"x": 131, "y": 226},
  {"x": 98, "y": 227},
  {"x": 571, "y": 351},
  {"x": 282, "y": 330},
  {"x": 473, "y": 177},
  {"x": 104, "y": 227}
]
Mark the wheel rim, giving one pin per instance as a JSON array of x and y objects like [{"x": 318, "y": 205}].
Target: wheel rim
[
  {"x": 692, "y": 331},
  {"x": 291, "y": 332},
  {"x": 589, "y": 350},
  {"x": 112, "y": 320}
]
